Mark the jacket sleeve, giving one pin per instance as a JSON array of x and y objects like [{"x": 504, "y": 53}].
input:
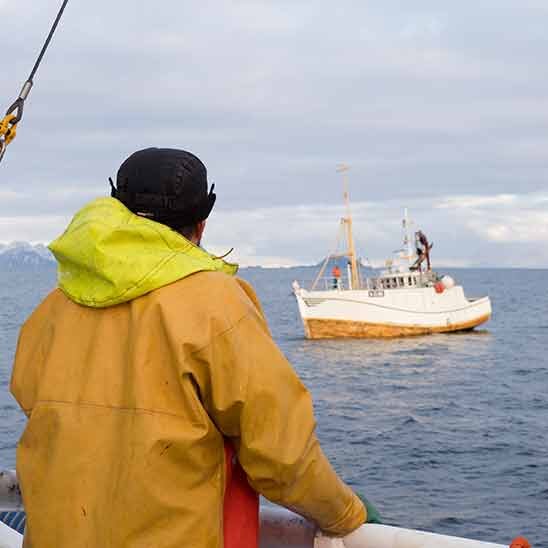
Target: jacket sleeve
[{"x": 256, "y": 399}]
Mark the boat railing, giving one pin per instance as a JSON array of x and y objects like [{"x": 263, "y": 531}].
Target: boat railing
[
  {"x": 396, "y": 280},
  {"x": 279, "y": 528},
  {"x": 399, "y": 280},
  {"x": 329, "y": 283}
]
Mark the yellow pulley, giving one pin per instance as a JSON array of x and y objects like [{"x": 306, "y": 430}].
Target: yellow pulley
[
  {"x": 8, "y": 128},
  {"x": 8, "y": 131}
]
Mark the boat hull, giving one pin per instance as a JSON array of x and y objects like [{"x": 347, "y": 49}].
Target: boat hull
[
  {"x": 318, "y": 328},
  {"x": 396, "y": 313}
]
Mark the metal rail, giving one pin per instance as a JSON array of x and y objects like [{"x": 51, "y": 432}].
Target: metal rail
[{"x": 280, "y": 528}]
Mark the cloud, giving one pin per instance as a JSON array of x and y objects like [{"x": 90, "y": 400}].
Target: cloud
[
  {"x": 423, "y": 27},
  {"x": 504, "y": 218},
  {"x": 478, "y": 202},
  {"x": 42, "y": 229},
  {"x": 466, "y": 230},
  {"x": 423, "y": 100},
  {"x": 502, "y": 230}
]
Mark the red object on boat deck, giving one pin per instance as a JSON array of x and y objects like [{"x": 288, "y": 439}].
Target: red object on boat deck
[
  {"x": 520, "y": 542},
  {"x": 241, "y": 506},
  {"x": 439, "y": 287}
]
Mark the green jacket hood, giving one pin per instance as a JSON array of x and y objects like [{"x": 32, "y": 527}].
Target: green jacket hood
[{"x": 108, "y": 256}]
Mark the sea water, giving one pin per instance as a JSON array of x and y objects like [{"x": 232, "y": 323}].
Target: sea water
[{"x": 445, "y": 433}]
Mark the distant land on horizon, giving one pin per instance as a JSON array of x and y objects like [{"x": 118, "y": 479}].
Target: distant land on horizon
[{"x": 24, "y": 255}]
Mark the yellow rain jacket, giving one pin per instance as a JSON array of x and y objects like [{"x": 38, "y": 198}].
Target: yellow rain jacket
[{"x": 133, "y": 373}]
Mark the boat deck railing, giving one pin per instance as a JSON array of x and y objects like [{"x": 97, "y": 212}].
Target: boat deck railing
[
  {"x": 387, "y": 281},
  {"x": 328, "y": 283},
  {"x": 279, "y": 528}
]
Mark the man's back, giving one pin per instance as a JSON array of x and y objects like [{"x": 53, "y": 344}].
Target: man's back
[{"x": 115, "y": 404}]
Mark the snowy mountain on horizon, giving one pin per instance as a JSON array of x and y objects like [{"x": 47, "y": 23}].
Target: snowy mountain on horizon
[{"x": 24, "y": 255}]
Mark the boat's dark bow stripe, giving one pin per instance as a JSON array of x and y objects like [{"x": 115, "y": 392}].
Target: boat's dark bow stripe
[{"x": 15, "y": 520}]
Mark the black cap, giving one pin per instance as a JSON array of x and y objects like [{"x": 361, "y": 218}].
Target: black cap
[{"x": 166, "y": 185}]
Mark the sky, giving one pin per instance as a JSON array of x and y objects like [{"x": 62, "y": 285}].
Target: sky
[{"x": 440, "y": 107}]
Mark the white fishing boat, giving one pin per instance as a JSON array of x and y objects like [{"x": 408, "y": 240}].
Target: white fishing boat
[
  {"x": 407, "y": 298},
  {"x": 279, "y": 528}
]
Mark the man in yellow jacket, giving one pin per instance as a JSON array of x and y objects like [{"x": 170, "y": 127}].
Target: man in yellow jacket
[{"x": 135, "y": 372}]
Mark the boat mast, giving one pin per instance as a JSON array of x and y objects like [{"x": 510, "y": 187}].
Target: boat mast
[{"x": 347, "y": 222}]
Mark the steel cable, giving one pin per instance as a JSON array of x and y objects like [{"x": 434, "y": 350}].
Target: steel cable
[{"x": 15, "y": 113}]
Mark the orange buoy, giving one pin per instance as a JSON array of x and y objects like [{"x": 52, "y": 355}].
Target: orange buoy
[
  {"x": 439, "y": 287},
  {"x": 520, "y": 542}
]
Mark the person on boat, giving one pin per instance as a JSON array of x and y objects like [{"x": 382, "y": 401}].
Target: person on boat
[
  {"x": 423, "y": 250},
  {"x": 149, "y": 373},
  {"x": 336, "y": 274}
]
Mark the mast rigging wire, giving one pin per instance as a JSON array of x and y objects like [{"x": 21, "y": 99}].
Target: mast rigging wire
[
  {"x": 48, "y": 40},
  {"x": 8, "y": 126}
]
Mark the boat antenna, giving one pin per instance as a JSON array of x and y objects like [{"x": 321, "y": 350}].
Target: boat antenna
[
  {"x": 408, "y": 238},
  {"x": 14, "y": 114},
  {"x": 347, "y": 222}
]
